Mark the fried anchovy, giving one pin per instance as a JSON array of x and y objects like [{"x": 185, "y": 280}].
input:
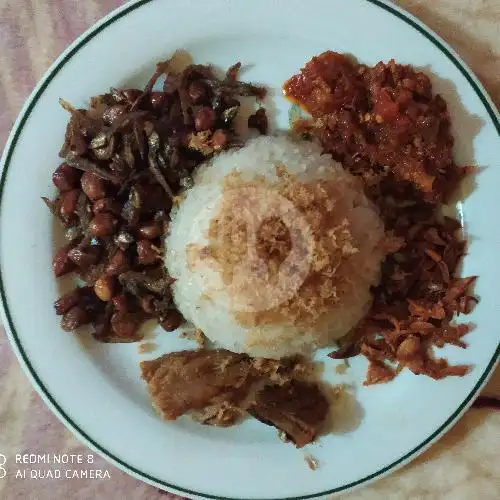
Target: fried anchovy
[
  {"x": 155, "y": 169},
  {"x": 88, "y": 166}
]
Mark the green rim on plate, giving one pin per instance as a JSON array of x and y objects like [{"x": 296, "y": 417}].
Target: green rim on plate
[{"x": 33, "y": 100}]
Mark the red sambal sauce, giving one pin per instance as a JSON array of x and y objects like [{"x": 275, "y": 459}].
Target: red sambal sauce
[{"x": 380, "y": 117}]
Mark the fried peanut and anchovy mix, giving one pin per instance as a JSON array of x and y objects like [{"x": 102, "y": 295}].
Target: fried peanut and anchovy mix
[{"x": 125, "y": 159}]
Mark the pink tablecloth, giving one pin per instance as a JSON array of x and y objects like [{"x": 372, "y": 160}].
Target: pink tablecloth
[{"x": 32, "y": 34}]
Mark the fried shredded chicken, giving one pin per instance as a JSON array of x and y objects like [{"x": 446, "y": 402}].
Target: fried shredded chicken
[
  {"x": 385, "y": 125},
  {"x": 329, "y": 235}
]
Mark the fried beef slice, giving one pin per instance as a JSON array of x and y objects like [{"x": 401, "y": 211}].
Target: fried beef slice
[{"x": 219, "y": 386}]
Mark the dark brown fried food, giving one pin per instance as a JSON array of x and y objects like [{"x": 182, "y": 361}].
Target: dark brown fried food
[
  {"x": 297, "y": 408},
  {"x": 387, "y": 127},
  {"x": 125, "y": 158},
  {"x": 219, "y": 387}
]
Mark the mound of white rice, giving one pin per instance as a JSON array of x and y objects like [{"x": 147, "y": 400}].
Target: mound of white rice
[{"x": 274, "y": 316}]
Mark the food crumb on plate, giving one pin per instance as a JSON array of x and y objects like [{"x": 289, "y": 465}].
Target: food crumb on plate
[
  {"x": 341, "y": 368},
  {"x": 311, "y": 462},
  {"x": 146, "y": 347},
  {"x": 197, "y": 335}
]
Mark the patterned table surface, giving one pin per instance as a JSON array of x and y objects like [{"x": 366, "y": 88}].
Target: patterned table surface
[{"x": 462, "y": 464}]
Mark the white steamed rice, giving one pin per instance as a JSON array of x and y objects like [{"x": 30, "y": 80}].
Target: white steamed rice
[{"x": 194, "y": 287}]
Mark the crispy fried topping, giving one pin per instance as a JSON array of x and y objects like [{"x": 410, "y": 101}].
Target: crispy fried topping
[
  {"x": 385, "y": 125},
  {"x": 328, "y": 241}
]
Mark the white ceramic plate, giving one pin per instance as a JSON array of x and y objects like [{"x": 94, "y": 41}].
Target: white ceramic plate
[{"x": 95, "y": 389}]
